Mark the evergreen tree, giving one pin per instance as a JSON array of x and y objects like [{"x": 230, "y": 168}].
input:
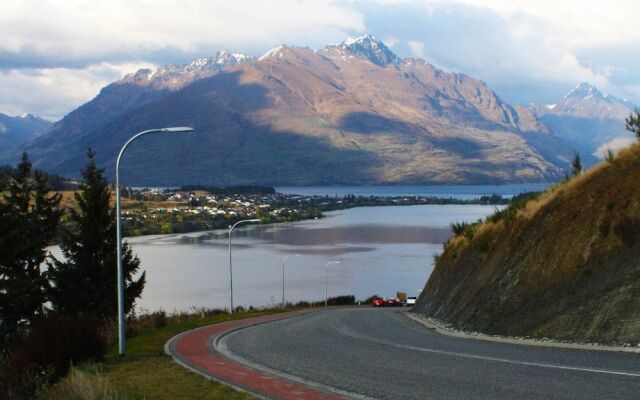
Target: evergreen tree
[
  {"x": 29, "y": 218},
  {"x": 633, "y": 123},
  {"x": 85, "y": 282},
  {"x": 576, "y": 165}
]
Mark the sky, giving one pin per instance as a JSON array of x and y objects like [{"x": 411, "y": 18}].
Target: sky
[{"x": 57, "y": 55}]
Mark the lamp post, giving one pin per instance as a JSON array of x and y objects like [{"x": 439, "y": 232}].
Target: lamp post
[
  {"x": 120, "y": 274},
  {"x": 326, "y": 297},
  {"x": 283, "y": 260},
  {"x": 230, "y": 265}
]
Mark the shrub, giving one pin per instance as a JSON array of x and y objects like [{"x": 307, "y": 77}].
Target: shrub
[
  {"x": 436, "y": 258},
  {"x": 341, "y": 300},
  {"x": 609, "y": 155},
  {"x": 19, "y": 381},
  {"x": 159, "y": 319},
  {"x": 627, "y": 229},
  {"x": 57, "y": 342},
  {"x": 605, "y": 225},
  {"x": 518, "y": 202}
]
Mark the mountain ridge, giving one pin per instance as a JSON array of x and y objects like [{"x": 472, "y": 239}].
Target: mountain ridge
[
  {"x": 589, "y": 120},
  {"x": 362, "y": 114},
  {"x": 17, "y": 130}
]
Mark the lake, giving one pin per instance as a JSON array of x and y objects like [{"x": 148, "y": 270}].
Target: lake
[{"x": 381, "y": 250}]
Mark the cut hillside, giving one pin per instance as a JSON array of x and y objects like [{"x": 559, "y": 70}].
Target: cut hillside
[{"x": 564, "y": 265}]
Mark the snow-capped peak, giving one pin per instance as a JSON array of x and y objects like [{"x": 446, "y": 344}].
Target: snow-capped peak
[
  {"x": 369, "y": 47},
  {"x": 275, "y": 52},
  {"x": 585, "y": 90},
  {"x": 225, "y": 58},
  {"x": 176, "y": 76}
]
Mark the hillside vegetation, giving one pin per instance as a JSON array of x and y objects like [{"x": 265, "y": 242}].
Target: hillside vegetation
[{"x": 565, "y": 264}]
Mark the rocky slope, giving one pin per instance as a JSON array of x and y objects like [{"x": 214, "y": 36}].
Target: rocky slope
[
  {"x": 352, "y": 113},
  {"x": 15, "y": 131},
  {"x": 589, "y": 120},
  {"x": 563, "y": 266}
]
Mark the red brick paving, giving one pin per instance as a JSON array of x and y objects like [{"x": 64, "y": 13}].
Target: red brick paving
[{"x": 192, "y": 348}]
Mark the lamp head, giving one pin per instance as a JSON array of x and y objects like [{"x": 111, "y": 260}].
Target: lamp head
[{"x": 178, "y": 129}]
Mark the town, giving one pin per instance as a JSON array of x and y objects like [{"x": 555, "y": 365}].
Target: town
[{"x": 148, "y": 211}]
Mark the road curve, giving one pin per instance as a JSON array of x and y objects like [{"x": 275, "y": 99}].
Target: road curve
[
  {"x": 197, "y": 351},
  {"x": 382, "y": 354}
]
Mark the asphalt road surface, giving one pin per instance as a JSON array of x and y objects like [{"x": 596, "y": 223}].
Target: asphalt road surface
[{"x": 382, "y": 354}]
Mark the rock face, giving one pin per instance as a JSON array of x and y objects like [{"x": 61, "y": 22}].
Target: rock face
[
  {"x": 15, "y": 131},
  {"x": 564, "y": 266},
  {"x": 352, "y": 113},
  {"x": 589, "y": 120}
]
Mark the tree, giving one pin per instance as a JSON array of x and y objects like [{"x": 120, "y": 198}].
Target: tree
[
  {"x": 633, "y": 123},
  {"x": 576, "y": 164},
  {"x": 85, "y": 282},
  {"x": 29, "y": 218}
]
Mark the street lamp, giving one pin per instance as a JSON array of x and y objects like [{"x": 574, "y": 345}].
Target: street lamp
[
  {"x": 326, "y": 297},
  {"x": 283, "y": 260},
  {"x": 176, "y": 129},
  {"x": 230, "y": 265}
]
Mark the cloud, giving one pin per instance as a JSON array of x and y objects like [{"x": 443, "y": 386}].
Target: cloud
[
  {"x": 56, "y": 55},
  {"x": 525, "y": 50},
  {"x": 417, "y": 48},
  {"x": 48, "y": 33},
  {"x": 53, "y": 92}
]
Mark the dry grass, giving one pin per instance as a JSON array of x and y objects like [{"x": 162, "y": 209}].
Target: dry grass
[
  {"x": 83, "y": 384},
  {"x": 564, "y": 260}
]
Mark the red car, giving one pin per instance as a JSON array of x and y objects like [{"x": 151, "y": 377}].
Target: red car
[
  {"x": 392, "y": 303},
  {"x": 378, "y": 302}
]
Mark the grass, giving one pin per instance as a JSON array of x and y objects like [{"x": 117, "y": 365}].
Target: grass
[{"x": 146, "y": 372}]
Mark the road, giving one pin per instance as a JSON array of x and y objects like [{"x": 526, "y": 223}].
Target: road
[{"x": 382, "y": 354}]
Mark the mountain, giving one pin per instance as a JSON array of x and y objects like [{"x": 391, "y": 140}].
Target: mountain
[
  {"x": 368, "y": 47},
  {"x": 133, "y": 91},
  {"x": 564, "y": 265},
  {"x": 589, "y": 120},
  {"x": 352, "y": 113},
  {"x": 15, "y": 131}
]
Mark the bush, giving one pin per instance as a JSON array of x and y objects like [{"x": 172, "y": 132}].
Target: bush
[
  {"x": 341, "y": 300},
  {"x": 609, "y": 155},
  {"x": 19, "y": 381},
  {"x": 464, "y": 228},
  {"x": 159, "y": 319},
  {"x": 55, "y": 342},
  {"x": 518, "y": 202},
  {"x": 627, "y": 229}
]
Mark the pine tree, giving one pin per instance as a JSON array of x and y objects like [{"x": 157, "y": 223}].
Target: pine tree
[
  {"x": 85, "y": 282},
  {"x": 633, "y": 123},
  {"x": 576, "y": 165},
  {"x": 29, "y": 218}
]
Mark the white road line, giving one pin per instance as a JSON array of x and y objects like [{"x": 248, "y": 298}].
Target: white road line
[
  {"x": 507, "y": 361},
  {"x": 486, "y": 358}
]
